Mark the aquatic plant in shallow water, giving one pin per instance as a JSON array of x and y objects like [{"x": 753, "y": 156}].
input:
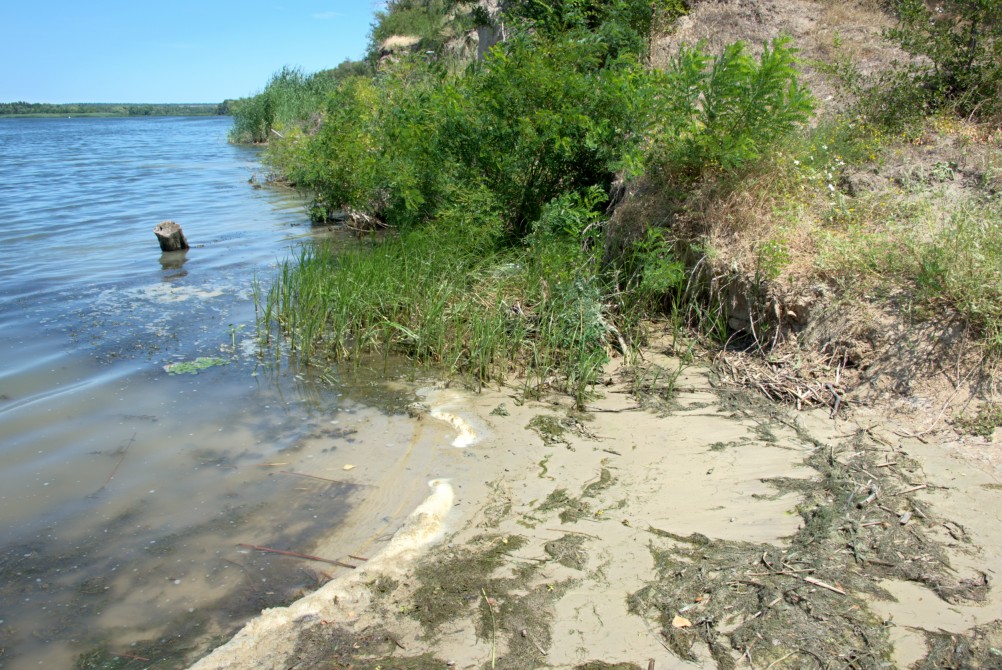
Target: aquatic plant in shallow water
[{"x": 195, "y": 366}]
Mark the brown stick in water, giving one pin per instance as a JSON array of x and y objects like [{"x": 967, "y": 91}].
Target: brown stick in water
[
  {"x": 117, "y": 465},
  {"x": 295, "y": 555}
]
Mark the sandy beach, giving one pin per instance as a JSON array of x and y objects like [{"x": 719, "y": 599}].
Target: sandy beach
[{"x": 673, "y": 534}]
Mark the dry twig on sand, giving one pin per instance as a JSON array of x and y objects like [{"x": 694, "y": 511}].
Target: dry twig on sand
[{"x": 781, "y": 379}]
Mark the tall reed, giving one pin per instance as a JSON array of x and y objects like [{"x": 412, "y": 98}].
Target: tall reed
[{"x": 434, "y": 299}]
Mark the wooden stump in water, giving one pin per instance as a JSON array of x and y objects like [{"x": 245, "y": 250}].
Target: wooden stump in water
[{"x": 170, "y": 236}]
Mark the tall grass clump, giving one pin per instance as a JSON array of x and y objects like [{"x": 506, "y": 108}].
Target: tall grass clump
[
  {"x": 445, "y": 299},
  {"x": 432, "y": 22},
  {"x": 291, "y": 98},
  {"x": 940, "y": 253}
]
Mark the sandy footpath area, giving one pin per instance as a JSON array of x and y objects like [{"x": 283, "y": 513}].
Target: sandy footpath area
[{"x": 569, "y": 540}]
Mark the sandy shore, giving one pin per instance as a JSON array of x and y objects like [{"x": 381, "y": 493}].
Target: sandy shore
[{"x": 570, "y": 537}]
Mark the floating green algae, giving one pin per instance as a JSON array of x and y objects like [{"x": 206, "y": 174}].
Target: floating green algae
[{"x": 195, "y": 366}]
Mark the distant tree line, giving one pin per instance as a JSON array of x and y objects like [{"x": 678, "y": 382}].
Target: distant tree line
[{"x": 112, "y": 109}]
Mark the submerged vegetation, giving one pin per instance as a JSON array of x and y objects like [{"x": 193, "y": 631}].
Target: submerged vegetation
[{"x": 531, "y": 209}]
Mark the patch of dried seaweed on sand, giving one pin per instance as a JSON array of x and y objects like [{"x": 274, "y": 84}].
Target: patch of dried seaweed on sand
[{"x": 803, "y": 605}]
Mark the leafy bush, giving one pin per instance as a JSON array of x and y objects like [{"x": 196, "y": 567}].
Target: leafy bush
[
  {"x": 534, "y": 121},
  {"x": 962, "y": 40},
  {"x": 724, "y": 111},
  {"x": 377, "y": 149},
  {"x": 497, "y": 177},
  {"x": 540, "y": 119},
  {"x": 623, "y": 26}
]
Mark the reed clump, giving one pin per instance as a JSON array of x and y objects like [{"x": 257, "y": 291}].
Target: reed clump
[{"x": 448, "y": 302}]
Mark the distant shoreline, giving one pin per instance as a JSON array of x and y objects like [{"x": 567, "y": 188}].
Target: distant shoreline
[{"x": 101, "y": 109}]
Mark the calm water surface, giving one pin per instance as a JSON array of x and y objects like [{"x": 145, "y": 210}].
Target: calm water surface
[{"x": 126, "y": 491}]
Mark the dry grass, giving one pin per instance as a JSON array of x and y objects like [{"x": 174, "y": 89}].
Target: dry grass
[{"x": 399, "y": 42}]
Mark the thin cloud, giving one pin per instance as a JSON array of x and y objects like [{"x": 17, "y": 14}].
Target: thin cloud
[{"x": 325, "y": 16}]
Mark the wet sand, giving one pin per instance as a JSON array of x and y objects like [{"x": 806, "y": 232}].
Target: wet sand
[{"x": 628, "y": 476}]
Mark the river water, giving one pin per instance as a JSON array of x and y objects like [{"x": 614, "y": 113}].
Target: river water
[{"x": 127, "y": 492}]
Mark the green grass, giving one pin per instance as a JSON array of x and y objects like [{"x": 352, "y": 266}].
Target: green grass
[
  {"x": 444, "y": 301},
  {"x": 943, "y": 252},
  {"x": 984, "y": 423}
]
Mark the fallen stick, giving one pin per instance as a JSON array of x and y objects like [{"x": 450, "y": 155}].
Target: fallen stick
[
  {"x": 838, "y": 401},
  {"x": 573, "y": 532},
  {"x": 912, "y": 489},
  {"x": 294, "y": 554},
  {"x": 117, "y": 465},
  {"x": 824, "y": 585},
  {"x": 874, "y": 491}
]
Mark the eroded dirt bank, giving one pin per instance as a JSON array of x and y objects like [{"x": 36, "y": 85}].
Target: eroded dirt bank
[{"x": 728, "y": 532}]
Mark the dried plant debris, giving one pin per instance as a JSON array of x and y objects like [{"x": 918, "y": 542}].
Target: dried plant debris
[
  {"x": 325, "y": 645},
  {"x": 787, "y": 379},
  {"x": 554, "y": 430},
  {"x": 568, "y": 551},
  {"x": 981, "y": 650},
  {"x": 574, "y": 509},
  {"x": 549, "y": 428},
  {"x": 511, "y": 610},
  {"x": 450, "y": 584},
  {"x": 757, "y": 601},
  {"x": 507, "y": 601},
  {"x": 803, "y": 603}
]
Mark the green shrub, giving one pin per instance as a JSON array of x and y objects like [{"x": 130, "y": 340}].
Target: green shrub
[
  {"x": 291, "y": 98},
  {"x": 622, "y": 26},
  {"x": 962, "y": 42},
  {"x": 541, "y": 118},
  {"x": 377, "y": 149},
  {"x": 536, "y": 120},
  {"x": 496, "y": 177},
  {"x": 722, "y": 112}
]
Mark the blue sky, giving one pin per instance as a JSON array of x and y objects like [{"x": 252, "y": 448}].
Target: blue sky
[{"x": 169, "y": 50}]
